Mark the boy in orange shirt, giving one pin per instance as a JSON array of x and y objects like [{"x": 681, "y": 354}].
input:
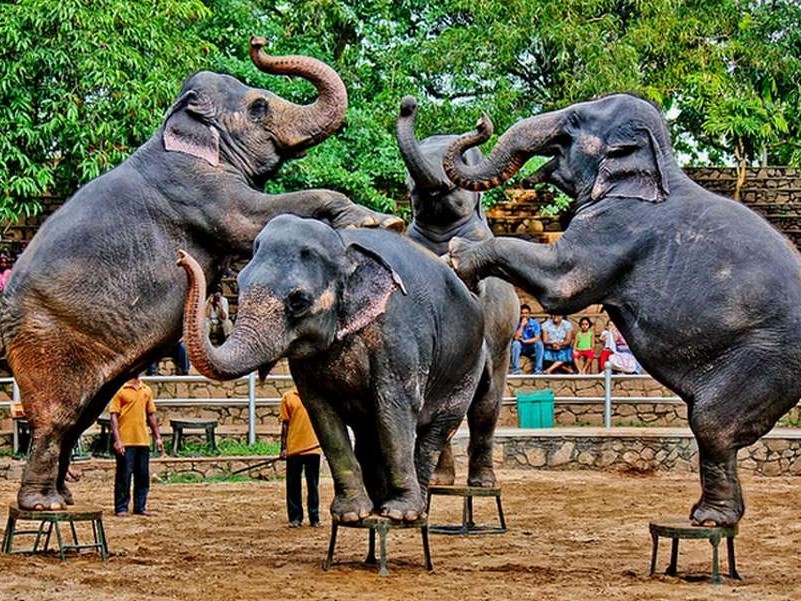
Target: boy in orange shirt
[
  {"x": 132, "y": 410},
  {"x": 301, "y": 450}
]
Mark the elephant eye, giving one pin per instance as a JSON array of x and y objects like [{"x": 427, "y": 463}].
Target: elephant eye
[
  {"x": 298, "y": 303},
  {"x": 258, "y": 109}
]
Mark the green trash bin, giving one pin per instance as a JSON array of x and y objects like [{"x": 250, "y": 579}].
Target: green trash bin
[{"x": 535, "y": 408}]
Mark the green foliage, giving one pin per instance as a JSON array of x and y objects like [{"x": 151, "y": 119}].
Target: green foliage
[
  {"x": 81, "y": 85},
  {"x": 84, "y": 83},
  {"x": 230, "y": 448},
  {"x": 195, "y": 478}
]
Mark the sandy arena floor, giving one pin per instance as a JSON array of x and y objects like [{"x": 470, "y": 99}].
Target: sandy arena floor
[{"x": 573, "y": 535}]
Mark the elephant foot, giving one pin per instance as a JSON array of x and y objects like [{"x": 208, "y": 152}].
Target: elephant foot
[
  {"x": 482, "y": 477},
  {"x": 66, "y": 494},
  {"x": 403, "y": 509},
  {"x": 39, "y": 500},
  {"x": 720, "y": 513},
  {"x": 351, "y": 509},
  {"x": 442, "y": 477}
]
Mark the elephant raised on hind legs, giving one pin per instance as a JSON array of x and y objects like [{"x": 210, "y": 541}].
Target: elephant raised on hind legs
[
  {"x": 706, "y": 292},
  {"x": 94, "y": 298},
  {"x": 442, "y": 211}
]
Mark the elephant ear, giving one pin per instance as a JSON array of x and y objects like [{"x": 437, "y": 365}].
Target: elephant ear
[
  {"x": 187, "y": 129},
  {"x": 634, "y": 166},
  {"x": 370, "y": 281}
]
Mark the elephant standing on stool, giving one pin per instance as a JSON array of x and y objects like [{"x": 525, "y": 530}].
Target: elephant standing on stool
[
  {"x": 442, "y": 211},
  {"x": 706, "y": 292},
  {"x": 381, "y": 336},
  {"x": 93, "y": 299}
]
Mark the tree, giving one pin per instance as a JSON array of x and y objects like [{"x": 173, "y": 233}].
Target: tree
[{"x": 82, "y": 84}]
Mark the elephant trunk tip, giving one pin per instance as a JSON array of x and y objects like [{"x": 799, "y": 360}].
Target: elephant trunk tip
[
  {"x": 183, "y": 258},
  {"x": 257, "y": 42},
  {"x": 408, "y": 106},
  {"x": 485, "y": 127}
]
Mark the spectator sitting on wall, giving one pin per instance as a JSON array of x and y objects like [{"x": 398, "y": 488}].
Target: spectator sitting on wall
[
  {"x": 527, "y": 341},
  {"x": 5, "y": 270},
  {"x": 622, "y": 360},
  {"x": 557, "y": 336},
  {"x": 583, "y": 352},
  {"x": 218, "y": 320},
  {"x": 179, "y": 355}
]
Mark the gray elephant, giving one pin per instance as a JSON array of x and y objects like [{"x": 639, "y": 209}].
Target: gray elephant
[
  {"x": 707, "y": 294},
  {"x": 381, "y": 336},
  {"x": 93, "y": 299},
  {"x": 442, "y": 211}
]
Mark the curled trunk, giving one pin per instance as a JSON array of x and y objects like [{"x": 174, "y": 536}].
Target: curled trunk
[
  {"x": 235, "y": 357},
  {"x": 519, "y": 143},
  {"x": 420, "y": 168},
  {"x": 305, "y": 125}
]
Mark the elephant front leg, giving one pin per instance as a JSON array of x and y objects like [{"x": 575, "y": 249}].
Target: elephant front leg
[
  {"x": 351, "y": 502},
  {"x": 721, "y": 502},
  {"x": 38, "y": 490}
]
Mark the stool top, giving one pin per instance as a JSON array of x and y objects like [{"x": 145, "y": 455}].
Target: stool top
[
  {"x": 465, "y": 491},
  {"x": 377, "y": 520},
  {"x": 75, "y": 512},
  {"x": 192, "y": 422},
  {"x": 683, "y": 528}
]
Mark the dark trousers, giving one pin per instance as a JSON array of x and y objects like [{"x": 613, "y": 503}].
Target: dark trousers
[
  {"x": 136, "y": 462},
  {"x": 294, "y": 466}
]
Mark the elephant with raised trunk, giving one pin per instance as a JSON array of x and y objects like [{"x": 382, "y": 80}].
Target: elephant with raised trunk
[
  {"x": 706, "y": 293},
  {"x": 94, "y": 298},
  {"x": 442, "y": 211},
  {"x": 381, "y": 336}
]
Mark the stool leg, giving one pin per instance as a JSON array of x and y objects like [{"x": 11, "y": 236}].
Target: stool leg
[
  {"x": 8, "y": 537},
  {"x": 470, "y": 523},
  {"x": 654, "y": 550},
  {"x": 426, "y": 548},
  {"x": 716, "y": 579},
  {"x": 176, "y": 440},
  {"x": 60, "y": 541},
  {"x": 74, "y": 533},
  {"x": 464, "y": 516},
  {"x": 211, "y": 438},
  {"x": 732, "y": 565},
  {"x": 47, "y": 536},
  {"x": 370, "y": 559},
  {"x": 382, "y": 537},
  {"x": 500, "y": 512},
  {"x": 101, "y": 535},
  {"x": 330, "y": 557},
  {"x": 674, "y": 557}
]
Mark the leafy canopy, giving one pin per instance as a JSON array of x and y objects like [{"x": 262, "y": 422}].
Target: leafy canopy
[{"x": 83, "y": 83}]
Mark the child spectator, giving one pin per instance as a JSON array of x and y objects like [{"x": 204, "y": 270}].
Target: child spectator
[
  {"x": 583, "y": 353},
  {"x": 5, "y": 270},
  {"x": 608, "y": 339}
]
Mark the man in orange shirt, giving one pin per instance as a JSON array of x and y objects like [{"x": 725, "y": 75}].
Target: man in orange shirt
[
  {"x": 301, "y": 450},
  {"x": 132, "y": 410}
]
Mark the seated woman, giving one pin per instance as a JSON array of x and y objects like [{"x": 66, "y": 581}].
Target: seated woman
[
  {"x": 621, "y": 360},
  {"x": 557, "y": 336}
]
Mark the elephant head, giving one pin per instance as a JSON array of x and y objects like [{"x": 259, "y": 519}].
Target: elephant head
[
  {"x": 435, "y": 200},
  {"x": 615, "y": 146},
  {"x": 220, "y": 120},
  {"x": 304, "y": 289}
]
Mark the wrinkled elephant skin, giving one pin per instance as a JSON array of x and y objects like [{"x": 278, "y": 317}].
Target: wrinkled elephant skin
[
  {"x": 94, "y": 298},
  {"x": 381, "y": 337},
  {"x": 442, "y": 211},
  {"x": 707, "y": 294}
]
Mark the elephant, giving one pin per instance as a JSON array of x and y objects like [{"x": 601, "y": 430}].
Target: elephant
[
  {"x": 707, "y": 293},
  {"x": 381, "y": 336},
  {"x": 93, "y": 298},
  {"x": 440, "y": 212}
]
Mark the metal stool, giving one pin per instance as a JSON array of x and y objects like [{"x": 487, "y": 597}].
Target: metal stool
[
  {"x": 678, "y": 528},
  {"x": 179, "y": 425},
  {"x": 49, "y": 521},
  {"x": 468, "y": 526},
  {"x": 382, "y": 525}
]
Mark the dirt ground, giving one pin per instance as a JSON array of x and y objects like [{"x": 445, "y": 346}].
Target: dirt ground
[{"x": 572, "y": 535}]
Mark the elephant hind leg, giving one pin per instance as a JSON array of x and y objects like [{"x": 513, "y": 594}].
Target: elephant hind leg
[
  {"x": 445, "y": 472},
  {"x": 482, "y": 417}
]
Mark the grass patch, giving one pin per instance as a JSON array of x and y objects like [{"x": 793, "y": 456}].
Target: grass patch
[
  {"x": 229, "y": 448},
  {"x": 193, "y": 478}
]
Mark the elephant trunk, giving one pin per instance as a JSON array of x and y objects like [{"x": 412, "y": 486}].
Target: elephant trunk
[
  {"x": 518, "y": 144},
  {"x": 423, "y": 172},
  {"x": 242, "y": 351},
  {"x": 305, "y": 125}
]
